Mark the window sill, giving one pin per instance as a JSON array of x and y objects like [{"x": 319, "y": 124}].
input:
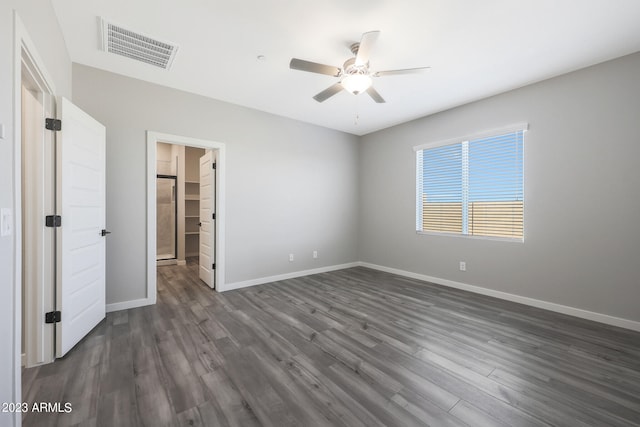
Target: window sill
[{"x": 498, "y": 239}]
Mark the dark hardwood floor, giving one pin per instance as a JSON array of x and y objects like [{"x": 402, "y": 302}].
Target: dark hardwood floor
[{"x": 354, "y": 347}]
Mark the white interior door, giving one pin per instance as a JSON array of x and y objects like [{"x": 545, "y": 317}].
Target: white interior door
[
  {"x": 207, "y": 214},
  {"x": 80, "y": 198}
]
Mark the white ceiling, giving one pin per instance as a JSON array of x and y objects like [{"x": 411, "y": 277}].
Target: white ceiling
[{"x": 475, "y": 48}]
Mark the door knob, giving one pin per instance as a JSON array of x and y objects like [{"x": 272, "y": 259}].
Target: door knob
[{"x": 104, "y": 232}]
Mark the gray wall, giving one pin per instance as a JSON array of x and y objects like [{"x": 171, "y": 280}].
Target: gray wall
[
  {"x": 36, "y": 16},
  {"x": 582, "y": 181},
  {"x": 291, "y": 187},
  {"x": 582, "y": 239}
]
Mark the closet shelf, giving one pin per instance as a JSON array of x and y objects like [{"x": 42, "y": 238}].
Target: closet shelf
[{"x": 191, "y": 233}]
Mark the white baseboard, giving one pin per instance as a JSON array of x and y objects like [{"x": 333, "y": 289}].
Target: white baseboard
[
  {"x": 125, "y": 305},
  {"x": 292, "y": 275},
  {"x": 182, "y": 262},
  {"x": 558, "y": 308}
]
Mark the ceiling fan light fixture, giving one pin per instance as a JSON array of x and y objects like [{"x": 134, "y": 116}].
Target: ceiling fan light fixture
[
  {"x": 356, "y": 83},
  {"x": 355, "y": 76}
]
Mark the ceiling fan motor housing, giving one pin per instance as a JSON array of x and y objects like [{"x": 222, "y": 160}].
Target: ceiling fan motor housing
[
  {"x": 356, "y": 78},
  {"x": 350, "y": 67}
]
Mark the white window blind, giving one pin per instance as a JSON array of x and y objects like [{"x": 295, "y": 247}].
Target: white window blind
[{"x": 472, "y": 187}]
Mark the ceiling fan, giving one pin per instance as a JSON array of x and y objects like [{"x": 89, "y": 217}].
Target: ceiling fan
[{"x": 355, "y": 76}]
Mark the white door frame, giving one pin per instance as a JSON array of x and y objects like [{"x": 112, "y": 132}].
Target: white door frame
[
  {"x": 38, "y": 194},
  {"x": 152, "y": 140},
  {"x": 24, "y": 49}
]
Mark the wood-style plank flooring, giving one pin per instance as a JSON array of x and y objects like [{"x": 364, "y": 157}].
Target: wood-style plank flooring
[{"x": 354, "y": 347}]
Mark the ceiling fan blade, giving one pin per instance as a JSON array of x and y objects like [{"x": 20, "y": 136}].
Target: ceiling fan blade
[
  {"x": 314, "y": 67},
  {"x": 375, "y": 95},
  {"x": 398, "y": 72},
  {"x": 366, "y": 44},
  {"x": 328, "y": 92}
]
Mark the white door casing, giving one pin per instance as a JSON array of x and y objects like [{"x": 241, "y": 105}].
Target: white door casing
[
  {"x": 207, "y": 225},
  {"x": 219, "y": 235},
  {"x": 37, "y": 201},
  {"x": 80, "y": 244}
]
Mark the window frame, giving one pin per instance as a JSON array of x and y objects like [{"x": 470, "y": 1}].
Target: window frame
[{"x": 517, "y": 127}]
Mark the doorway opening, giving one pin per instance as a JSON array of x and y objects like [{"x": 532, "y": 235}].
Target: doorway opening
[
  {"x": 62, "y": 225},
  {"x": 179, "y": 202},
  {"x": 59, "y": 203},
  {"x": 185, "y": 187},
  {"x": 35, "y": 195},
  {"x": 42, "y": 179}
]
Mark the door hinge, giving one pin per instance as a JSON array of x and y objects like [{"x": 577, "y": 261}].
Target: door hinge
[
  {"x": 213, "y": 266},
  {"x": 213, "y": 216},
  {"x": 213, "y": 165},
  {"x": 52, "y": 317},
  {"x": 53, "y": 221},
  {"x": 53, "y": 124}
]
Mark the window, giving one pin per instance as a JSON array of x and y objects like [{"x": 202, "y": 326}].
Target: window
[{"x": 472, "y": 186}]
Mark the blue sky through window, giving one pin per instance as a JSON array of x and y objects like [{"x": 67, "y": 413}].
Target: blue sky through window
[
  {"x": 495, "y": 170},
  {"x": 442, "y": 169}
]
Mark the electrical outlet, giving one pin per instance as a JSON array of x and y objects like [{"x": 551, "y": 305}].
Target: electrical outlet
[
  {"x": 315, "y": 254},
  {"x": 463, "y": 266},
  {"x": 290, "y": 257}
]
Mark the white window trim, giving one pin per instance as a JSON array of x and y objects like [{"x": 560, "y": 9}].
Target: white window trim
[
  {"x": 478, "y": 135},
  {"x": 473, "y": 237}
]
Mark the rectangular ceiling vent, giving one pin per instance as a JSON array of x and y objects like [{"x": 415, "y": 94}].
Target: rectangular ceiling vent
[{"x": 119, "y": 40}]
